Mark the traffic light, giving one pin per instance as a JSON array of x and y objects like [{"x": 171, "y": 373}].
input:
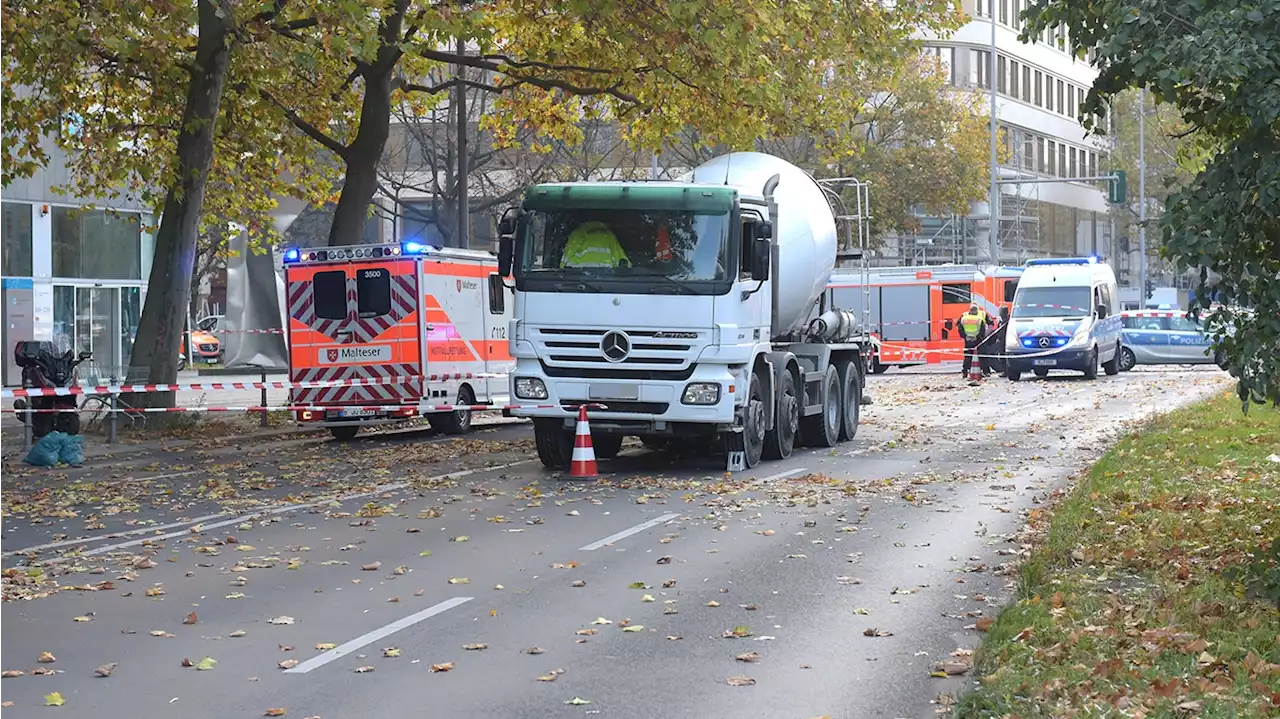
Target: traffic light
[
  {"x": 1151, "y": 289},
  {"x": 1116, "y": 188}
]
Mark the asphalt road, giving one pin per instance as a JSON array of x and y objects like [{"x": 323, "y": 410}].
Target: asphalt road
[{"x": 459, "y": 579}]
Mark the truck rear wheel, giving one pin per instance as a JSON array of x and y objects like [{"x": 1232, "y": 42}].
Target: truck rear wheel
[
  {"x": 344, "y": 433},
  {"x": 555, "y": 444},
  {"x": 850, "y": 400},
  {"x": 823, "y": 429},
  {"x": 780, "y": 441}
]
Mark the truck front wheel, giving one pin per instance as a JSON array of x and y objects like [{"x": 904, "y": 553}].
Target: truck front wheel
[
  {"x": 606, "y": 446},
  {"x": 781, "y": 440},
  {"x": 555, "y": 444}
]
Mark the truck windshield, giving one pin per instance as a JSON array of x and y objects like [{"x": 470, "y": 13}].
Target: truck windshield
[
  {"x": 1051, "y": 302},
  {"x": 608, "y": 248}
]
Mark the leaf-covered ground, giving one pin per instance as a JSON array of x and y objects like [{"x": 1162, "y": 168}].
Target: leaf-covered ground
[{"x": 1153, "y": 591}]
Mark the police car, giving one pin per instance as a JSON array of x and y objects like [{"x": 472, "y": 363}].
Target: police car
[{"x": 1164, "y": 336}]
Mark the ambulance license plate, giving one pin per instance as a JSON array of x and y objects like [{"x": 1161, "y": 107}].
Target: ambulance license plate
[
  {"x": 357, "y": 413},
  {"x": 1045, "y": 362},
  {"x": 614, "y": 391}
]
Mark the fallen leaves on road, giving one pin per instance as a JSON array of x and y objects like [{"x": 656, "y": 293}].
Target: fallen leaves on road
[
  {"x": 280, "y": 620},
  {"x": 750, "y": 657},
  {"x": 873, "y": 632},
  {"x": 53, "y": 700},
  {"x": 634, "y": 628},
  {"x": 578, "y": 583},
  {"x": 984, "y": 624},
  {"x": 551, "y": 676},
  {"x": 442, "y": 667},
  {"x": 391, "y": 652},
  {"x": 288, "y": 664},
  {"x": 737, "y": 632},
  {"x": 274, "y": 712},
  {"x": 162, "y": 633},
  {"x": 47, "y": 658},
  {"x": 191, "y": 619},
  {"x": 534, "y": 650},
  {"x": 83, "y": 618},
  {"x": 206, "y": 664},
  {"x": 105, "y": 670},
  {"x": 459, "y": 580},
  {"x": 462, "y": 538},
  {"x": 740, "y": 681},
  {"x": 475, "y": 647},
  {"x": 325, "y": 646},
  {"x": 12, "y": 673},
  {"x": 371, "y": 566},
  {"x": 713, "y": 603},
  {"x": 237, "y": 633},
  {"x": 364, "y": 670},
  {"x": 578, "y": 701}
]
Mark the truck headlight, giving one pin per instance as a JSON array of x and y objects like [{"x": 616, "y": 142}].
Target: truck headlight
[
  {"x": 530, "y": 388},
  {"x": 701, "y": 393}
]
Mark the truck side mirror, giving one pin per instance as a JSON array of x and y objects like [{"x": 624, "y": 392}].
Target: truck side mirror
[
  {"x": 765, "y": 230},
  {"x": 506, "y": 252},
  {"x": 506, "y": 225},
  {"x": 761, "y": 258},
  {"x": 497, "y": 298}
]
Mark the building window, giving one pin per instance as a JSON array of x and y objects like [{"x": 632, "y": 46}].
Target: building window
[
  {"x": 1062, "y": 108},
  {"x": 1004, "y": 12},
  {"x": 1039, "y": 80},
  {"x": 95, "y": 244},
  {"x": 418, "y": 223},
  {"x": 981, "y": 72},
  {"x": 1062, "y": 160},
  {"x": 1071, "y": 100},
  {"x": 1029, "y": 151},
  {"x": 1093, "y": 164},
  {"x": 1002, "y": 76},
  {"x": 1013, "y": 78},
  {"x": 1041, "y": 156},
  {"x": 982, "y": 8},
  {"x": 1072, "y": 167},
  {"x": 945, "y": 57},
  {"x": 16, "y": 236},
  {"x": 1052, "y": 167},
  {"x": 1026, "y": 84}
]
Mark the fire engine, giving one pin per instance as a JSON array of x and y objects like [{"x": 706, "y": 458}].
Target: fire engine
[
  {"x": 914, "y": 310},
  {"x": 426, "y": 319}
]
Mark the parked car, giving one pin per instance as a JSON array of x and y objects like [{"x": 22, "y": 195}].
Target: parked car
[
  {"x": 1165, "y": 337},
  {"x": 206, "y": 343}
]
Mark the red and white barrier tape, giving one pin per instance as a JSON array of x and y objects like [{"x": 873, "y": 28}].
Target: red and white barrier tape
[
  {"x": 239, "y": 332},
  {"x": 312, "y": 384},
  {"x": 420, "y": 408}
]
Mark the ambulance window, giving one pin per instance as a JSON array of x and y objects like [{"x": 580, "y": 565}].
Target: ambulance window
[
  {"x": 957, "y": 293},
  {"x": 330, "y": 292},
  {"x": 373, "y": 292},
  {"x": 1010, "y": 289}
]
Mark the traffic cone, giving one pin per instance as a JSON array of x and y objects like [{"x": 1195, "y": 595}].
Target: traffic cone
[
  {"x": 583, "y": 464},
  {"x": 975, "y": 373}
]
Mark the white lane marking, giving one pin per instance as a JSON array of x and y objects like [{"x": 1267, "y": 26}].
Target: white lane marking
[
  {"x": 277, "y": 510},
  {"x": 117, "y": 535},
  {"x": 628, "y": 532},
  {"x": 780, "y": 475},
  {"x": 373, "y": 636}
]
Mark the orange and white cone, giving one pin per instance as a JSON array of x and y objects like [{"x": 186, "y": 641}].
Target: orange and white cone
[
  {"x": 584, "y": 455},
  {"x": 975, "y": 373}
]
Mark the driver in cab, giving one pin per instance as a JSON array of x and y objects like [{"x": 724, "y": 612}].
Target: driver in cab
[{"x": 593, "y": 244}]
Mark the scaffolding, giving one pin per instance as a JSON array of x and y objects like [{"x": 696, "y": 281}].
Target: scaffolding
[{"x": 1019, "y": 229}]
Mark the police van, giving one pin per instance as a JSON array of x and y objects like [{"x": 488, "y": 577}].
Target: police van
[{"x": 1064, "y": 317}]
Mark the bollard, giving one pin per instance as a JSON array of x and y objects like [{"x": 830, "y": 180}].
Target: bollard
[
  {"x": 111, "y": 422},
  {"x": 262, "y": 421},
  {"x": 26, "y": 428}
]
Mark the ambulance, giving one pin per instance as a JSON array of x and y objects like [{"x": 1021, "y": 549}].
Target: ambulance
[
  {"x": 429, "y": 318},
  {"x": 914, "y": 311}
]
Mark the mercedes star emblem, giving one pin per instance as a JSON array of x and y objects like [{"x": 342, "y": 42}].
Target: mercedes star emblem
[
  {"x": 615, "y": 346},
  {"x": 1044, "y": 341}
]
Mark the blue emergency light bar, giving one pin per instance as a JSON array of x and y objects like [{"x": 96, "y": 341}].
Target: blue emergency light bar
[
  {"x": 1062, "y": 261},
  {"x": 291, "y": 255}
]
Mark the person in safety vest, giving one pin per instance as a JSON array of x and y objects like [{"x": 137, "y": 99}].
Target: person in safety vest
[
  {"x": 593, "y": 244},
  {"x": 973, "y": 327}
]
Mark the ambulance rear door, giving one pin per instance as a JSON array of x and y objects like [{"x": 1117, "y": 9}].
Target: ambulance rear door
[{"x": 354, "y": 316}]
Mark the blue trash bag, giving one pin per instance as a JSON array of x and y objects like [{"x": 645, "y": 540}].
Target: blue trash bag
[
  {"x": 72, "y": 450},
  {"x": 47, "y": 450}
]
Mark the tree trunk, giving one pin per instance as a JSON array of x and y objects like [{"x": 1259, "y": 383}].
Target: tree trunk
[
  {"x": 364, "y": 154},
  {"x": 164, "y": 315}
]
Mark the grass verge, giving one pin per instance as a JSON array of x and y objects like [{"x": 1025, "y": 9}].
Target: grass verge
[{"x": 1154, "y": 587}]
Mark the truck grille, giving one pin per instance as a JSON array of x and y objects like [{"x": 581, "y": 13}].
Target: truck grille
[
  {"x": 208, "y": 348},
  {"x": 655, "y": 408},
  {"x": 648, "y": 351}
]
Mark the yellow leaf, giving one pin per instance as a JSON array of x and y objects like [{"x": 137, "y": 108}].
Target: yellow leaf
[{"x": 53, "y": 700}]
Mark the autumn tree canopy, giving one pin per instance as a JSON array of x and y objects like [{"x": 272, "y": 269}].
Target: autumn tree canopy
[{"x": 1218, "y": 63}]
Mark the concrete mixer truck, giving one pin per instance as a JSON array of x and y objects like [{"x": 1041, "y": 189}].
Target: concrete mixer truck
[{"x": 681, "y": 311}]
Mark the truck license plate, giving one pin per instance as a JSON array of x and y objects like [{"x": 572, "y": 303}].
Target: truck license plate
[
  {"x": 357, "y": 413},
  {"x": 1045, "y": 362},
  {"x": 614, "y": 391}
]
